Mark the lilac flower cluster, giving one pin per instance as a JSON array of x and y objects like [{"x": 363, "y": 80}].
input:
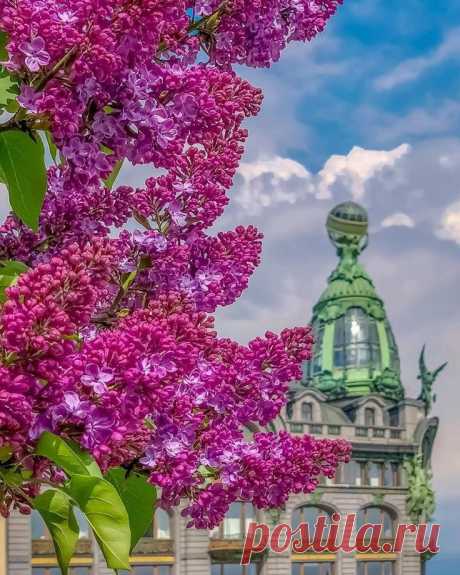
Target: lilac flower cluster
[{"x": 108, "y": 339}]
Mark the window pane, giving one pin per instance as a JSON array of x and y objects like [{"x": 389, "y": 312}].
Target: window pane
[
  {"x": 215, "y": 570},
  {"x": 307, "y": 411},
  {"x": 82, "y": 523},
  {"x": 352, "y": 473},
  {"x": 374, "y": 568},
  {"x": 369, "y": 416},
  {"x": 387, "y": 525},
  {"x": 162, "y": 523},
  {"x": 389, "y": 568},
  {"x": 249, "y": 516},
  {"x": 356, "y": 326},
  {"x": 142, "y": 570},
  {"x": 233, "y": 569},
  {"x": 39, "y": 530},
  {"x": 339, "y": 357},
  {"x": 374, "y": 470},
  {"x": 296, "y": 569},
  {"x": 232, "y": 522},
  {"x": 339, "y": 332},
  {"x": 311, "y": 569},
  {"x": 361, "y": 568},
  {"x": 80, "y": 571},
  {"x": 165, "y": 570}
]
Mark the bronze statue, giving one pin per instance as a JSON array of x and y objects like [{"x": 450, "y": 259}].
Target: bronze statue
[{"x": 427, "y": 378}]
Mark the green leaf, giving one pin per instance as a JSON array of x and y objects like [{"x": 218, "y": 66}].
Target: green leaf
[
  {"x": 114, "y": 175},
  {"x": 8, "y": 88},
  {"x": 67, "y": 455},
  {"x": 22, "y": 168},
  {"x": 5, "y": 453},
  {"x": 9, "y": 272},
  {"x": 56, "y": 509},
  {"x": 99, "y": 501},
  {"x": 3, "y": 43},
  {"x": 139, "y": 498}
]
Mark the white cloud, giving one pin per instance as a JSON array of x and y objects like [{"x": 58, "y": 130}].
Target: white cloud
[
  {"x": 398, "y": 219},
  {"x": 272, "y": 181},
  {"x": 411, "y": 69},
  {"x": 450, "y": 224},
  {"x": 356, "y": 168},
  {"x": 276, "y": 180}
]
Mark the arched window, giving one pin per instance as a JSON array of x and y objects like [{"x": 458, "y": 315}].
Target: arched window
[
  {"x": 236, "y": 522},
  {"x": 356, "y": 340},
  {"x": 307, "y": 411},
  {"x": 310, "y": 514},
  {"x": 161, "y": 526},
  {"x": 376, "y": 568},
  {"x": 377, "y": 516}
]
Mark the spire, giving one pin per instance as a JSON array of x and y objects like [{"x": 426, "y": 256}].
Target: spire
[{"x": 355, "y": 351}]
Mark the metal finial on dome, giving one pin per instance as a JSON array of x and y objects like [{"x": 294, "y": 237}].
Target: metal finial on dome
[{"x": 347, "y": 224}]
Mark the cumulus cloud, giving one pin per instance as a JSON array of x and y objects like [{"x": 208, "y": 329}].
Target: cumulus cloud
[
  {"x": 410, "y": 69},
  {"x": 272, "y": 181},
  {"x": 449, "y": 228},
  {"x": 357, "y": 168},
  {"x": 276, "y": 180},
  {"x": 398, "y": 219}
]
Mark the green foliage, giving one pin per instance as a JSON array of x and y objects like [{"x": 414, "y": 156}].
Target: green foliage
[
  {"x": 139, "y": 498},
  {"x": 114, "y": 175},
  {"x": 113, "y": 507},
  {"x": 8, "y": 92},
  {"x": 67, "y": 455},
  {"x": 3, "y": 42},
  {"x": 107, "y": 516},
  {"x": 9, "y": 272},
  {"x": 22, "y": 169},
  {"x": 56, "y": 509}
]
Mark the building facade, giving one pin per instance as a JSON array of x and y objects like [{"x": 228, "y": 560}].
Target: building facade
[{"x": 352, "y": 389}]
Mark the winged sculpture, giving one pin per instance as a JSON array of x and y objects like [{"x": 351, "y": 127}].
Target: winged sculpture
[{"x": 427, "y": 378}]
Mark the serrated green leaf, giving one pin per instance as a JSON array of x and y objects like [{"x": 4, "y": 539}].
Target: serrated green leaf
[
  {"x": 9, "y": 272},
  {"x": 67, "y": 455},
  {"x": 114, "y": 175},
  {"x": 22, "y": 168},
  {"x": 56, "y": 509},
  {"x": 106, "y": 514},
  {"x": 139, "y": 497}
]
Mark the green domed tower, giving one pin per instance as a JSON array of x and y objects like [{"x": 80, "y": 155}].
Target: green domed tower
[{"x": 355, "y": 352}]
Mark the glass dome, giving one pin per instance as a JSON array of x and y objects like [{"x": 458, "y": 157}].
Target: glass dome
[{"x": 356, "y": 341}]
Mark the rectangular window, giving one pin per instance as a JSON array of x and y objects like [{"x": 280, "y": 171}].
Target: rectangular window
[
  {"x": 394, "y": 417},
  {"x": 369, "y": 417}
]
